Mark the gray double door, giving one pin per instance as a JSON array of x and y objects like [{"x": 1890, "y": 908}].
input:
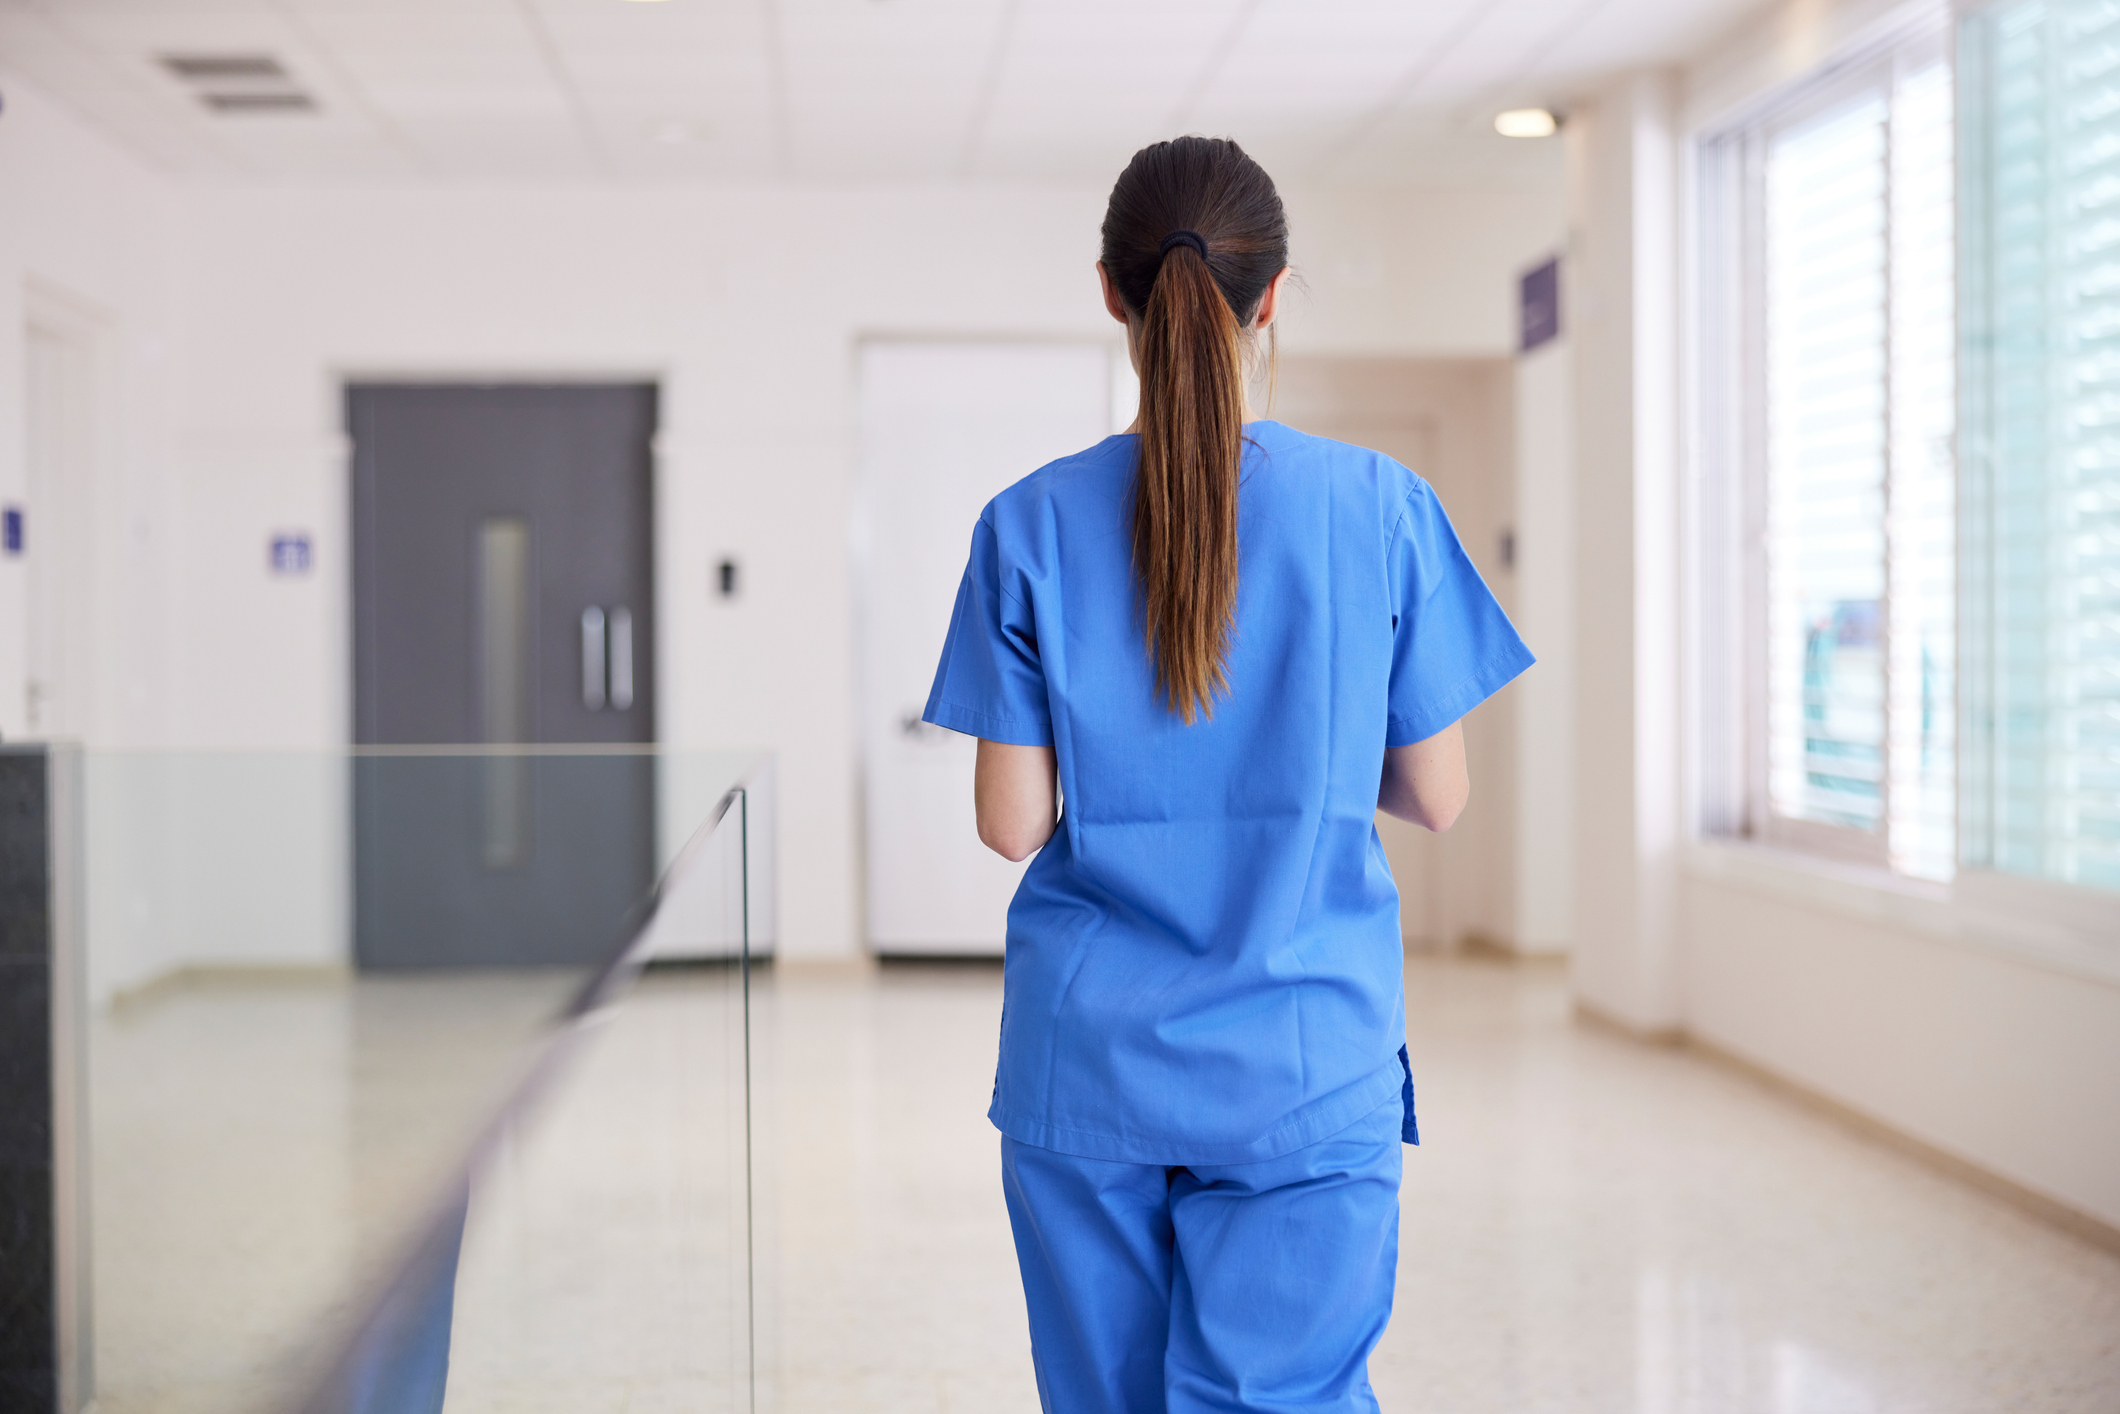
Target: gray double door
[{"x": 503, "y": 573}]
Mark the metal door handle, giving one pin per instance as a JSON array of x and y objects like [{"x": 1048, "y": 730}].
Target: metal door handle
[
  {"x": 621, "y": 658},
  {"x": 593, "y": 659}
]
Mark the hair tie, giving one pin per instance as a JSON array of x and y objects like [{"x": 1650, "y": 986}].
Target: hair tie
[{"x": 1191, "y": 238}]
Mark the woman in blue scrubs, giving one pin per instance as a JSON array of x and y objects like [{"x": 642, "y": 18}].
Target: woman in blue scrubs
[{"x": 1224, "y": 645}]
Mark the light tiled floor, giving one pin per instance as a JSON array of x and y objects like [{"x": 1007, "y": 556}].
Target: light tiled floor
[
  {"x": 1592, "y": 1225},
  {"x": 259, "y": 1148},
  {"x": 604, "y": 1258}
]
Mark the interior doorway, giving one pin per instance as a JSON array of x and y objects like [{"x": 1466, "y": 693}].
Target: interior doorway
[
  {"x": 503, "y": 598},
  {"x": 944, "y": 426},
  {"x": 51, "y": 531}
]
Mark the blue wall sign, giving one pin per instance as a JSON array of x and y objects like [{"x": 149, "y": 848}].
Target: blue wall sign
[
  {"x": 290, "y": 553},
  {"x": 1539, "y": 306},
  {"x": 11, "y": 529}
]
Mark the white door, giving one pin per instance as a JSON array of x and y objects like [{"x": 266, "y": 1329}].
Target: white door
[
  {"x": 54, "y": 545},
  {"x": 944, "y": 426}
]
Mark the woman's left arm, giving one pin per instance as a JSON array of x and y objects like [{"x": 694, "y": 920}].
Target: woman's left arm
[{"x": 1016, "y": 791}]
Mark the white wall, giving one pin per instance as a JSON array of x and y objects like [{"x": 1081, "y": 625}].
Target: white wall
[
  {"x": 2000, "y": 1059},
  {"x": 84, "y": 235},
  {"x": 1545, "y": 578},
  {"x": 83, "y": 226},
  {"x": 1621, "y": 314},
  {"x": 231, "y": 858},
  {"x": 747, "y": 304}
]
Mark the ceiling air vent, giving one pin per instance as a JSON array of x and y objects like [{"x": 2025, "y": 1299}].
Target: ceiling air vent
[
  {"x": 258, "y": 102},
  {"x": 239, "y": 83}
]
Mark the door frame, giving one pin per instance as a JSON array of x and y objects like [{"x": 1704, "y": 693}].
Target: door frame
[
  {"x": 73, "y": 511},
  {"x": 667, "y": 827}
]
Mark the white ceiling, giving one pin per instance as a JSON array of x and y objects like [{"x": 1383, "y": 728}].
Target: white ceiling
[{"x": 865, "y": 90}]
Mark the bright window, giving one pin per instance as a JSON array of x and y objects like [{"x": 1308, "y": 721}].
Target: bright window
[
  {"x": 2042, "y": 445},
  {"x": 1831, "y": 244}
]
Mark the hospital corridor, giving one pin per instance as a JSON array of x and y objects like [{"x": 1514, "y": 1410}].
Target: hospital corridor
[
  {"x": 986, "y": 706},
  {"x": 1589, "y": 1223}
]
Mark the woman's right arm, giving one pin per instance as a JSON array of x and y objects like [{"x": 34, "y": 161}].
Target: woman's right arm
[
  {"x": 1426, "y": 781},
  {"x": 1016, "y": 792}
]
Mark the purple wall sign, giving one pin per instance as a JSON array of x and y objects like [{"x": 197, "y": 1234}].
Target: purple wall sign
[
  {"x": 1539, "y": 305},
  {"x": 11, "y": 529},
  {"x": 290, "y": 553}
]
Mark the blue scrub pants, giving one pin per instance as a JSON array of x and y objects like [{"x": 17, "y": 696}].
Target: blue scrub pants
[{"x": 1242, "y": 1287}]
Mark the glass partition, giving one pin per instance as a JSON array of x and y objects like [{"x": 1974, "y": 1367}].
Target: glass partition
[{"x": 416, "y": 1078}]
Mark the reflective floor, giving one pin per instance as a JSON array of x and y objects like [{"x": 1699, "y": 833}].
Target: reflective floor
[
  {"x": 1590, "y": 1225},
  {"x": 604, "y": 1259},
  {"x": 260, "y": 1146}
]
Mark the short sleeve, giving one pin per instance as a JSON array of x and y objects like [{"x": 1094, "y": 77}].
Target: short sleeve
[
  {"x": 1452, "y": 647},
  {"x": 990, "y": 683}
]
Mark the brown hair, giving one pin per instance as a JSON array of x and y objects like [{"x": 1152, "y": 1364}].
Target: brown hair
[{"x": 1190, "y": 309}]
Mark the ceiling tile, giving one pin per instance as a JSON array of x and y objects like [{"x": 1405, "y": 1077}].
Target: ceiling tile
[
  {"x": 150, "y": 123},
  {"x": 1361, "y": 90},
  {"x": 513, "y": 147}
]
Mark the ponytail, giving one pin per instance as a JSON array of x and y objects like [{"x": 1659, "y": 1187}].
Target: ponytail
[
  {"x": 1185, "y": 482},
  {"x": 1193, "y": 237}
]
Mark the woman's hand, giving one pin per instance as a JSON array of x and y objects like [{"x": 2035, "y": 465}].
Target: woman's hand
[
  {"x": 1016, "y": 791},
  {"x": 1425, "y": 782}
]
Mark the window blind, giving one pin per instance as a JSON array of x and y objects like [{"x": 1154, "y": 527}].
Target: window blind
[
  {"x": 1829, "y": 410},
  {"x": 1858, "y": 273},
  {"x": 1826, "y": 340},
  {"x": 2043, "y": 353}
]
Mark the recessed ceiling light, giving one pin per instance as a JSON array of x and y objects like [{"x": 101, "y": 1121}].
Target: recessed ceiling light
[{"x": 1526, "y": 122}]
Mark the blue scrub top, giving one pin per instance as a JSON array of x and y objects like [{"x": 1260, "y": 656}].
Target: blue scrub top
[{"x": 1204, "y": 964}]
